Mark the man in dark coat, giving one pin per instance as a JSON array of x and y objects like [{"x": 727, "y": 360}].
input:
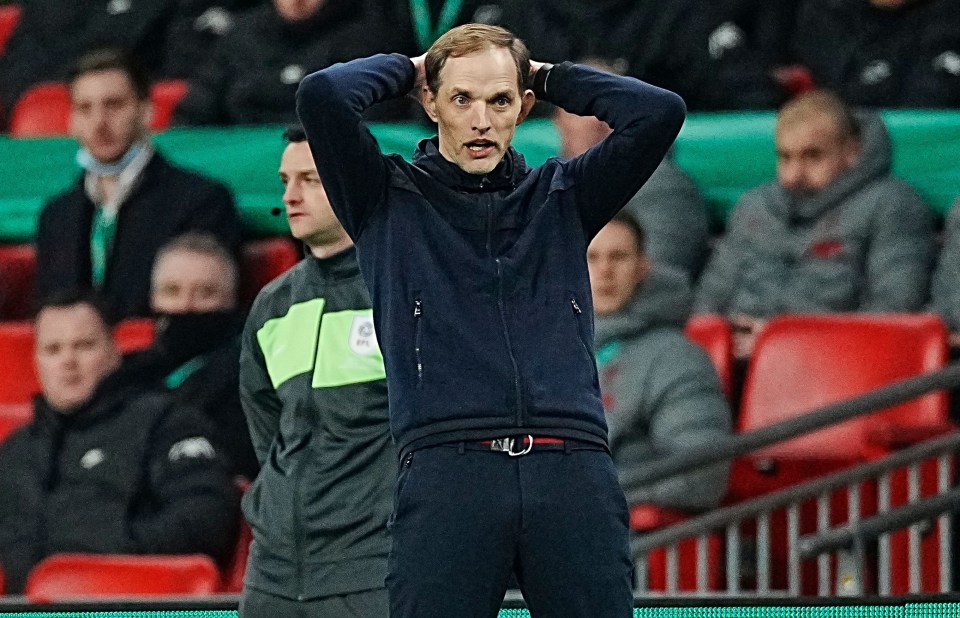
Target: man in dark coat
[
  {"x": 106, "y": 466},
  {"x": 104, "y": 232}
]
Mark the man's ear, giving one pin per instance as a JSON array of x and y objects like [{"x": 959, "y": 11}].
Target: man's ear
[
  {"x": 526, "y": 104},
  {"x": 428, "y": 99}
]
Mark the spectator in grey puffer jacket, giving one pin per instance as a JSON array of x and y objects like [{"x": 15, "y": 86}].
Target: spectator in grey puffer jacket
[
  {"x": 945, "y": 294},
  {"x": 660, "y": 390},
  {"x": 835, "y": 232}
]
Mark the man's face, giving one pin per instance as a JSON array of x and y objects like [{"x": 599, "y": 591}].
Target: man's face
[
  {"x": 186, "y": 281},
  {"x": 477, "y": 108},
  {"x": 892, "y": 5},
  {"x": 297, "y": 10},
  {"x": 579, "y": 133},
  {"x": 105, "y": 114},
  {"x": 617, "y": 268},
  {"x": 812, "y": 154},
  {"x": 74, "y": 353},
  {"x": 309, "y": 212}
]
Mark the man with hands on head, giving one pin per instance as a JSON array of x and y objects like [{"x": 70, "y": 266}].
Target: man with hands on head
[{"x": 476, "y": 265}]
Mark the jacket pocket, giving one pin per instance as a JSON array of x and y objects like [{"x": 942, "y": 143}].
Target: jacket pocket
[{"x": 581, "y": 328}]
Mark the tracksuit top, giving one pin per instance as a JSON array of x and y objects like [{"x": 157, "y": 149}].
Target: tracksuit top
[
  {"x": 312, "y": 387},
  {"x": 479, "y": 283}
]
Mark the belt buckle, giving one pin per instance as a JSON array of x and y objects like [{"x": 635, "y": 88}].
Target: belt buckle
[{"x": 506, "y": 445}]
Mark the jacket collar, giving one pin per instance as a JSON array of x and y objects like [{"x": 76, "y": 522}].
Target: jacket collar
[
  {"x": 105, "y": 401},
  {"x": 508, "y": 173},
  {"x": 342, "y": 265}
]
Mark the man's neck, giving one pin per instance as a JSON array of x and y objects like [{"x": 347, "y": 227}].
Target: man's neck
[{"x": 326, "y": 250}]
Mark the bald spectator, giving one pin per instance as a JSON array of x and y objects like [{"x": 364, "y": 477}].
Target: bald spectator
[
  {"x": 104, "y": 231},
  {"x": 834, "y": 233},
  {"x": 106, "y": 465},
  {"x": 196, "y": 353}
]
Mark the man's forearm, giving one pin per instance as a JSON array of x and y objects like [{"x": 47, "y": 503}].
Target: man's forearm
[{"x": 330, "y": 104}]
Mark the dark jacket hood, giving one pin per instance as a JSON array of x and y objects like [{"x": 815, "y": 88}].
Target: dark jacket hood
[
  {"x": 105, "y": 401},
  {"x": 664, "y": 299},
  {"x": 875, "y": 162}
]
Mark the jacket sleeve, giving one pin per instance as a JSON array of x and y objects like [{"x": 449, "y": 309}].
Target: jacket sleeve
[
  {"x": 901, "y": 253},
  {"x": 645, "y": 121},
  {"x": 688, "y": 413},
  {"x": 945, "y": 296},
  {"x": 330, "y": 103},
  {"x": 20, "y": 510},
  {"x": 196, "y": 505},
  {"x": 721, "y": 277},
  {"x": 259, "y": 399}
]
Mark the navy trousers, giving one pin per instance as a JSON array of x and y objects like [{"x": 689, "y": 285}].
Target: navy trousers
[{"x": 466, "y": 518}]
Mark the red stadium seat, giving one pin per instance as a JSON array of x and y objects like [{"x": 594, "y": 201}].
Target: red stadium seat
[
  {"x": 233, "y": 573},
  {"x": 13, "y": 416},
  {"x": 9, "y": 18},
  {"x": 715, "y": 335},
  {"x": 72, "y": 576},
  {"x": 165, "y": 96},
  {"x": 44, "y": 109},
  {"x": 134, "y": 334},
  {"x": 18, "y": 380},
  {"x": 264, "y": 260},
  {"x": 17, "y": 266},
  {"x": 802, "y": 362}
]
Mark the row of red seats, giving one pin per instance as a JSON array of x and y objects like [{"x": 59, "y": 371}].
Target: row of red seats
[
  {"x": 44, "y": 109},
  {"x": 71, "y": 576},
  {"x": 9, "y": 18},
  {"x": 260, "y": 261},
  {"x": 801, "y": 363}
]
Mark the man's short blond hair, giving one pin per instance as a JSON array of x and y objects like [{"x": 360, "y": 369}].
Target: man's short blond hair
[{"x": 471, "y": 38}]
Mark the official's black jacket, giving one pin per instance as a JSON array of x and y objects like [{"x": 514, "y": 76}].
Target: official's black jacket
[
  {"x": 167, "y": 202},
  {"x": 312, "y": 386},
  {"x": 129, "y": 472},
  {"x": 479, "y": 283}
]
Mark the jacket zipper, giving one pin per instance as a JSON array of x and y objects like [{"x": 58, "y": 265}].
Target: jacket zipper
[
  {"x": 578, "y": 316},
  {"x": 298, "y": 536},
  {"x": 417, "y": 315},
  {"x": 501, "y": 305}
]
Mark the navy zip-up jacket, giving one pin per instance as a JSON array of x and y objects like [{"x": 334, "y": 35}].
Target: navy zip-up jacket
[{"x": 479, "y": 283}]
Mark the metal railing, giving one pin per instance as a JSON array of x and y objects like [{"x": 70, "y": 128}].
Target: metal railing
[{"x": 760, "y": 538}]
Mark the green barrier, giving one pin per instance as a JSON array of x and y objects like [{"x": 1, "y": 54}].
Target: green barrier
[{"x": 725, "y": 153}]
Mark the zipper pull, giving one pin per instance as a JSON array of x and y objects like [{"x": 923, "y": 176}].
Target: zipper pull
[
  {"x": 408, "y": 460},
  {"x": 417, "y": 308},
  {"x": 576, "y": 307}
]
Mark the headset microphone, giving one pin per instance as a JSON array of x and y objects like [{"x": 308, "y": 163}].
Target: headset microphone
[{"x": 276, "y": 211}]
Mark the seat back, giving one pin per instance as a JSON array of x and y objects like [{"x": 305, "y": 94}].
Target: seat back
[
  {"x": 165, "y": 95},
  {"x": 262, "y": 261},
  {"x": 17, "y": 266},
  {"x": 9, "y": 18},
  {"x": 715, "y": 335},
  {"x": 44, "y": 109},
  {"x": 18, "y": 380},
  {"x": 70, "y": 576},
  {"x": 13, "y": 416},
  {"x": 802, "y": 362}
]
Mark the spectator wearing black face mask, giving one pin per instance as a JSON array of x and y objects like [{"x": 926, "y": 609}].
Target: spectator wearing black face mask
[{"x": 196, "y": 353}]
